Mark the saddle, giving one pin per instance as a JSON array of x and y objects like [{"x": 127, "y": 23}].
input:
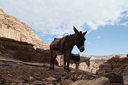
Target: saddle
[{"x": 58, "y": 43}]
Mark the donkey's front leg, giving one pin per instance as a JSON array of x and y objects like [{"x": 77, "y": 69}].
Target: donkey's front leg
[
  {"x": 77, "y": 66},
  {"x": 64, "y": 61},
  {"x": 51, "y": 64},
  {"x": 68, "y": 56}
]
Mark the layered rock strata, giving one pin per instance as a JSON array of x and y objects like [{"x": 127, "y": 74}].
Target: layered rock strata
[
  {"x": 24, "y": 51},
  {"x": 12, "y": 28}
]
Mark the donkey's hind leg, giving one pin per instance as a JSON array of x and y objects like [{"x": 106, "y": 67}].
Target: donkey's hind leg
[
  {"x": 51, "y": 60},
  {"x": 54, "y": 57}
]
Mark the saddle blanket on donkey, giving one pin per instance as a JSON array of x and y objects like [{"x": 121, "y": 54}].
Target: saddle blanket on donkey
[
  {"x": 58, "y": 43},
  {"x": 75, "y": 57}
]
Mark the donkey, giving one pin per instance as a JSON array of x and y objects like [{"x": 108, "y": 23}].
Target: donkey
[
  {"x": 64, "y": 46},
  {"x": 78, "y": 60}
]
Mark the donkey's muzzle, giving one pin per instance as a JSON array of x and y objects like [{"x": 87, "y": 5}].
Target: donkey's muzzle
[{"x": 81, "y": 48}]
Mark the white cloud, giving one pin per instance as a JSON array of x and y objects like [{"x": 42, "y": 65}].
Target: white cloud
[
  {"x": 98, "y": 37},
  {"x": 59, "y": 16},
  {"x": 125, "y": 24}
]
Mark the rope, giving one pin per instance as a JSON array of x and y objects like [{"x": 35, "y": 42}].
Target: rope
[{"x": 65, "y": 34}]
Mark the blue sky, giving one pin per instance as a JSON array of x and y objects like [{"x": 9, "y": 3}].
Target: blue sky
[{"x": 105, "y": 20}]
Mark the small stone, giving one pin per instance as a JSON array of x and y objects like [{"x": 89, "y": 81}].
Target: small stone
[
  {"x": 66, "y": 82},
  {"x": 30, "y": 77},
  {"x": 37, "y": 83},
  {"x": 18, "y": 81},
  {"x": 51, "y": 79},
  {"x": 26, "y": 83},
  {"x": 20, "y": 84},
  {"x": 13, "y": 84},
  {"x": 58, "y": 84},
  {"x": 79, "y": 77}
]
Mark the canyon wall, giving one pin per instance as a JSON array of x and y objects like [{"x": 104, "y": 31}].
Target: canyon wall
[
  {"x": 18, "y": 40},
  {"x": 12, "y": 28}
]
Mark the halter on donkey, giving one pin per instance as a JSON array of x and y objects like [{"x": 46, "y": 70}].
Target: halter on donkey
[{"x": 64, "y": 46}]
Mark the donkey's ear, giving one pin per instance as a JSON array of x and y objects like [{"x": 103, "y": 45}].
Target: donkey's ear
[
  {"x": 85, "y": 33},
  {"x": 75, "y": 30}
]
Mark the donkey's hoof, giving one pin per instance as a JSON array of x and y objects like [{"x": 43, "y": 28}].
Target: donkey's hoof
[{"x": 69, "y": 70}]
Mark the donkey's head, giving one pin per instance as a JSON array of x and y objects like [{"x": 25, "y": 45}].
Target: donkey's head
[
  {"x": 79, "y": 41},
  {"x": 88, "y": 61}
]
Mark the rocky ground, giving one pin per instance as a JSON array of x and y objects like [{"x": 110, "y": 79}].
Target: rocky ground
[
  {"x": 14, "y": 72},
  {"x": 18, "y": 40}
]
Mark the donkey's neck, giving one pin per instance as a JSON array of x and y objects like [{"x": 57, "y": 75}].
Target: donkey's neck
[{"x": 71, "y": 40}]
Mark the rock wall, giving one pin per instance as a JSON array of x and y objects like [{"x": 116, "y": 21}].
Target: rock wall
[
  {"x": 115, "y": 64},
  {"x": 116, "y": 69},
  {"x": 12, "y": 28},
  {"x": 10, "y": 48},
  {"x": 18, "y": 40}
]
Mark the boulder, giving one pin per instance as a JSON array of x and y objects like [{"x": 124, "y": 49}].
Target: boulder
[
  {"x": 106, "y": 67},
  {"x": 124, "y": 60},
  {"x": 114, "y": 59},
  {"x": 114, "y": 77},
  {"x": 125, "y": 70},
  {"x": 115, "y": 64}
]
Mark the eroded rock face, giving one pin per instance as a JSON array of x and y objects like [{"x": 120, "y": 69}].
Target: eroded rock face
[
  {"x": 12, "y": 28},
  {"x": 18, "y": 40},
  {"x": 114, "y": 69},
  {"x": 24, "y": 51},
  {"x": 116, "y": 64}
]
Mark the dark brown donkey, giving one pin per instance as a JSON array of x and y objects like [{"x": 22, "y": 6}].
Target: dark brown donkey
[{"x": 65, "y": 45}]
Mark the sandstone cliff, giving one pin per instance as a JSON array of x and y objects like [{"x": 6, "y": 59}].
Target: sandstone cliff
[
  {"x": 10, "y": 48},
  {"x": 12, "y": 28}
]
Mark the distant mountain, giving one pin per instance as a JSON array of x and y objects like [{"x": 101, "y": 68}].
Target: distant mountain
[{"x": 94, "y": 57}]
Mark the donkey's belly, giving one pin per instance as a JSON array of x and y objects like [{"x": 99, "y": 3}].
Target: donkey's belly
[{"x": 57, "y": 51}]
